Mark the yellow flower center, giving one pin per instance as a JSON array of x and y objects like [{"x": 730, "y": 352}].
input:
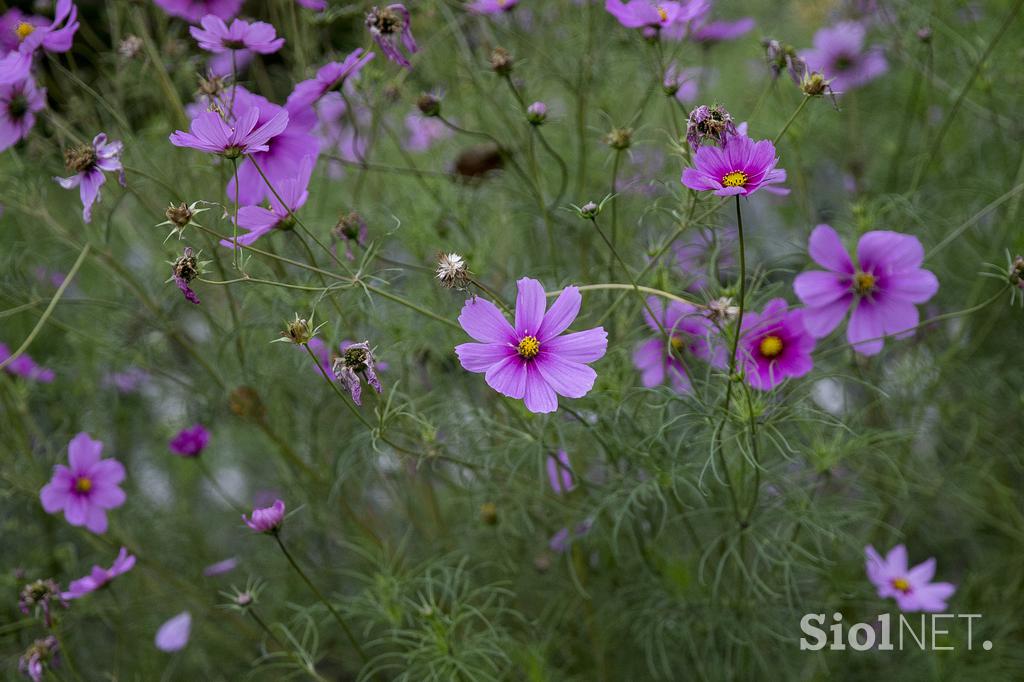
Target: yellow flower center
[
  {"x": 662, "y": 14},
  {"x": 528, "y": 347},
  {"x": 83, "y": 484},
  {"x": 771, "y": 346},
  {"x": 901, "y": 584},
  {"x": 735, "y": 179},
  {"x": 24, "y": 30},
  {"x": 678, "y": 344},
  {"x": 863, "y": 283}
]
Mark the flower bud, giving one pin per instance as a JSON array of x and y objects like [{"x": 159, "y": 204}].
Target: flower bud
[
  {"x": 452, "y": 271},
  {"x": 589, "y": 210},
  {"x": 299, "y": 331},
  {"x": 429, "y": 104},
  {"x": 537, "y": 113},
  {"x": 619, "y": 138},
  {"x": 501, "y": 61}
]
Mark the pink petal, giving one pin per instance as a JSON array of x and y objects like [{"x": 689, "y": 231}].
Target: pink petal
[
  {"x": 484, "y": 322},
  {"x": 76, "y": 511},
  {"x": 819, "y": 322},
  {"x": 828, "y": 251},
  {"x": 585, "y": 346},
  {"x": 914, "y": 286},
  {"x": 539, "y": 396},
  {"x": 106, "y": 496},
  {"x": 563, "y": 311},
  {"x": 866, "y": 323},
  {"x": 54, "y": 495},
  {"x": 922, "y": 573},
  {"x": 571, "y": 379},
  {"x": 96, "y": 520},
  {"x": 508, "y": 377},
  {"x": 479, "y": 357},
  {"x": 816, "y": 288},
  {"x": 896, "y": 559},
  {"x": 530, "y": 305},
  {"x": 174, "y": 634},
  {"x": 107, "y": 472},
  {"x": 83, "y": 452},
  {"x": 883, "y": 249}
]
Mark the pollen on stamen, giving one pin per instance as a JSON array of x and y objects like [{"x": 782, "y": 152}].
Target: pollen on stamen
[
  {"x": 864, "y": 283},
  {"x": 901, "y": 584},
  {"x": 24, "y": 30},
  {"x": 83, "y": 485},
  {"x": 734, "y": 179},
  {"x": 771, "y": 346},
  {"x": 528, "y": 347},
  {"x": 662, "y": 14}
]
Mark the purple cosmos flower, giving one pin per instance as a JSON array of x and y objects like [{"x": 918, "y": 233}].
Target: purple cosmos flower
[
  {"x": 268, "y": 519},
  {"x": 530, "y": 361},
  {"x": 25, "y": 367},
  {"x": 774, "y": 345},
  {"x": 713, "y": 32},
  {"x": 54, "y": 37},
  {"x": 194, "y": 10},
  {"x": 690, "y": 331},
  {"x": 43, "y": 652},
  {"x": 99, "y": 576},
  {"x": 910, "y": 587},
  {"x": 190, "y": 442},
  {"x": 883, "y": 289},
  {"x": 742, "y": 167},
  {"x": 424, "y": 131},
  {"x": 318, "y": 5},
  {"x": 491, "y": 6},
  {"x": 88, "y": 488},
  {"x": 706, "y": 250},
  {"x": 390, "y": 27},
  {"x": 328, "y": 77},
  {"x": 840, "y": 55},
  {"x": 681, "y": 83},
  {"x": 12, "y": 32},
  {"x": 258, "y": 221},
  {"x": 355, "y": 361},
  {"x": 173, "y": 635},
  {"x": 216, "y": 36},
  {"x": 19, "y": 103},
  {"x": 560, "y": 473},
  {"x": 651, "y": 13},
  {"x": 88, "y": 162},
  {"x": 221, "y": 567},
  {"x": 209, "y": 133}
]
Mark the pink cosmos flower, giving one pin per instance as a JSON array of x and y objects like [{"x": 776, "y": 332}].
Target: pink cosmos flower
[
  {"x": 328, "y": 77},
  {"x": 209, "y": 133},
  {"x": 742, "y": 167},
  {"x": 712, "y": 32},
  {"x": 258, "y": 221},
  {"x": 194, "y": 10},
  {"x": 774, "y": 345},
  {"x": 682, "y": 82},
  {"x": 88, "y": 488},
  {"x": 11, "y": 30},
  {"x": 173, "y": 635},
  {"x": 25, "y": 367},
  {"x": 268, "y": 519},
  {"x": 89, "y": 162},
  {"x": 883, "y": 290},
  {"x": 690, "y": 333},
  {"x": 99, "y": 576},
  {"x": 216, "y": 36},
  {"x": 650, "y": 13},
  {"x": 560, "y": 473},
  {"x": 32, "y": 35},
  {"x": 19, "y": 103},
  {"x": 313, "y": 4},
  {"x": 190, "y": 442},
  {"x": 530, "y": 361},
  {"x": 391, "y": 27},
  {"x": 424, "y": 131},
  {"x": 910, "y": 587},
  {"x": 491, "y": 6},
  {"x": 839, "y": 54}
]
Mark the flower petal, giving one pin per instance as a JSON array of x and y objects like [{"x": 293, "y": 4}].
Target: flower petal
[
  {"x": 479, "y": 357},
  {"x": 866, "y": 330},
  {"x": 508, "y": 377},
  {"x": 571, "y": 379},
  {"x": 584, "y": 346},
  {"x": 539, "y": 397},
  {"x": 563, "y": 311},
  {"x": 883, "y": 250},
  {"x": 83, "y": 452},
  {"x": 484, "y": 322},
  {"x": 530, "y": 305}
]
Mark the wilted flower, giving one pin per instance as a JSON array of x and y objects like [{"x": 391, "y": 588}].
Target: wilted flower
[
  {"x": 357, "y": 361},
  {"x": 173, "y": 635},
  {"x": 299, "y": 331},
  {"x": 216, "y": 36},
  {"x": 883, "y": 290},
  {"x": 814, "y": 84},
  {"x": 589, "y": 210},
  {"x": 712, "y": 124},
  {"x": 742, "y": 167},
  {"x": 181, "y": 216},
  {"x": 266, "y": 520},
  {"x": 429, "y": 104},
  {"x": 38, "y": 595},
  {"x": 244, "y": 401},
  {"x": 501, "y": 61},
  {"x": 912, "y": 588},
  {"x": 722, "y": 310},
  {"x": 183, "y": 270},
  {"x": 619, "y": 139},
  {"x": 452, "y": 271},
  {"x": 531, "y": 361},
  {"x": 42, "y": 654},
  {"x": 781, "y": 58},
  {"x": 88, "y": 162},
  {"x": 681, "y": 83},
  {"x": 774, "y": 345},
  {"x": 19, "y": 102},
  {"x": 100, "y": 576},
  {"x": 390, "y": 27},
  {"x": 190, "y": 442},
  {"x": 87, "y": 488},
  {"x": 350, "y": 229},
  {"x": 537, "y": 113}
]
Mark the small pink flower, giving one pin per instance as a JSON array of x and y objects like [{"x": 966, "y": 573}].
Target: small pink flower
[
  {"x": 100, "y": 576},
  {"x": 774, "y": 346},
  {"x": 34, "y": 34},
  {"x": 88, "y": 488},
  {"x": 742, "y": 167},
  {"x": 190, "y": 442},
  {"x": 208, "y": 132},
  {"x": 194, "y": 10},
  {"x": 910, "y": 587},
  {"x": 173, "y": 635},
  {"x": 216, "y": 36},
  {"x": 89, "y": 163},
  {"x": 19, "y": 103},
  {"x": 266, "y": 520}
]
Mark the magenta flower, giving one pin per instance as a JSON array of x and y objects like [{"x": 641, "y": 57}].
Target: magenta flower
[
  {"x": 649, "y": 13},
  {"x": 884, "y": 289},
  {"x": 491, "y": 6},
  {"x": 88, "y": 488},
  {"x": 742, "y": 167},
  {"x": 720, "y": 31},
  {"x": 194, "y": 10},
  {"x": 774, "y": 345},
  {"x": 209, "y": 133},
  {"x": 258, "y": 221},
  {"x": 690, "y": 332},
  {"x": 190, "y": 442},
  {"x": 33, "y": 34},
  {"x": 560, "y": 473},
  {"x": 391, "y": 27},
  {"x": 19, "y": 103},
  {"x": 530, "y": 361},
  {"x": 839, "y": 54},
  {"x": 12, "y": 32},
  {"x": 221, "y": 567},
  {"x": 424, "y": 131},
  {"x": 313, "y": 4},
  {"x": 42, "y": 655},
  {"x": 268, "y": 519},
  {"x": 99, "y": 576},
  {"x": 216, "y": 36},
  {"x": 25, "y": 367},
  {"x": 328, "y": 77},
  {"x": 89, "y": 162},
  {"x": 173, "y": 635},
  {"x": 910, "y": 587}
]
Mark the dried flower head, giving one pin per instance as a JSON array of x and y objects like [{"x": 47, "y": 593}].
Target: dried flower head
[
  {"x": 429, "y": 104},
  {"x": 130, "y": 47},
  {"x": 452, "y": 271},
  {"x": 211, "y": 85},
  {"x": 42, "y": 654},
  {"x": 390, "y": 27},
  {"x": 814, "y": 84},
  {"x": 38, "y": 595},
  {"x": 185, "y": 269},
  {"x": 619, "y": 138},
  {"x": 181, "y": 216},
  {"x": 350, "y": 229},
  {"x": 357, "y": 361},
  {"x": 501, "y": 61},
  {"x": 709, "y": 124},
  {"x": 479, "y": 160},
  {"x": 299, "y": 331},
  {"x": 722, "y": 310}
]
